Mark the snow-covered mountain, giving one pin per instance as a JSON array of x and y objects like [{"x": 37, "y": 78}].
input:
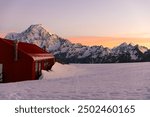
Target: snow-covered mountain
[
  {"x": 129, "y": 52},
  {"x": 68, "y": 52},
  {"x": 36, "y": 34}
]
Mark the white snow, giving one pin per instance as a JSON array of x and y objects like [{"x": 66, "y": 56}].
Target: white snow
[
  {"x": 133, "y": 55},
  {"x": 85, "y": 81},
  {"x": 86, "y": 54},
  {"x": 65, "y": 49},
  {"x": 60, "y": 71},
  {"x": 142, "y": 49}
]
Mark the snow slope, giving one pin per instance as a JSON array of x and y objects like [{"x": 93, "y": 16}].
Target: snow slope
[{"x": 85, "y": 81}]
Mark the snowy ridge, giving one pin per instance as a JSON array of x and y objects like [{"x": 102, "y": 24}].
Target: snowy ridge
[
  {"x": 132, "y": 52},
  {"x": 68, "y": 52}
]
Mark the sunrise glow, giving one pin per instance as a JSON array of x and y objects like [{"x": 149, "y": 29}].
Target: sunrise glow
[
  {"x": 110, "y": 41},
  {"x": 90, "y": 22}
]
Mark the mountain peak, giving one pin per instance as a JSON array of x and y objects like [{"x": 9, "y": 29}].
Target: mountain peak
[
  {"x": 36, "y": 26},
  {"x": 132, "y": 44},
  {"x": 142, "y": 48},
  {"x": 38, "y": 35},
  {"x": 123, "y": 44}
]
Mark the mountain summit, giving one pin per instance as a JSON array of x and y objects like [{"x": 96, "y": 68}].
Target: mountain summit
[
  {"x": 68, "y": 52},
  {"x": 36, "y": 34}
]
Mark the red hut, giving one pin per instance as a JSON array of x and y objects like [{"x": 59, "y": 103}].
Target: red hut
[{"x": 21, "y": 61}]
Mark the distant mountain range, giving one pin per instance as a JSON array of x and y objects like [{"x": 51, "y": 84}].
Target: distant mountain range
[{"x": 67, "y": 52}]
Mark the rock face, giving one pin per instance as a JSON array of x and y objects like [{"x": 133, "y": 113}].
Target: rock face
[{"x": 68, "y": 52}]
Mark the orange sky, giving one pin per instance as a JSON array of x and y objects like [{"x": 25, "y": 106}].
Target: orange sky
[{"x": 109, "y": 41}]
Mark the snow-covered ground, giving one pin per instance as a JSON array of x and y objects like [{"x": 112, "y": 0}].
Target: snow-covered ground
[{"x": 85, "y": 81}]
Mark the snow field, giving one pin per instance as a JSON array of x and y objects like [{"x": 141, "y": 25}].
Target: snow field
[{"x": 85, "y": 81}]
